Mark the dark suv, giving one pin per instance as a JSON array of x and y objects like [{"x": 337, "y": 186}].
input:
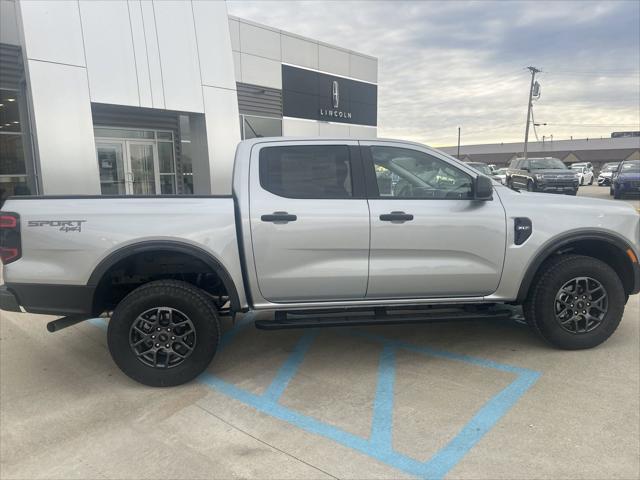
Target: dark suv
[{"x": 546, "y": 174}]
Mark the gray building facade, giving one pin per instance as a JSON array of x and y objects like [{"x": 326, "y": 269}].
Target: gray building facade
[{"x": 151, "y": 97}]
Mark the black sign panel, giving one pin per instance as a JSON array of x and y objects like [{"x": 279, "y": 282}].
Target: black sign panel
[{"x": 318, "y": 96}]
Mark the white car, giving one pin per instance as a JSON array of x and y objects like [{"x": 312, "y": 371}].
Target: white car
[
  {"x": 585, "y": 176},
  {"x": 500, "y": 175}
]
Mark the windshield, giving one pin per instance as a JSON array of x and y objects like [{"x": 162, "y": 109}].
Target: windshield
[
  {"x": 631, "y": 166},
  {"x": 500, "y": 171},
  {"x": 547, "y": 164},
  {"x": 610, "y": 167},
  {"x": 578, "y": 169},
  {"x": 481, "y": 167}
]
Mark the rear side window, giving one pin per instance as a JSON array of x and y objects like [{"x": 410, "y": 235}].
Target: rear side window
[{"x": 309, "y": 171}]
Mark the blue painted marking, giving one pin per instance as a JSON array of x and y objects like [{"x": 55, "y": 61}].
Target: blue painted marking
[
  {"x": 379, "y": 446},
  {"x": 290, "y": 367},
  {"x": 382, "y": 422}
]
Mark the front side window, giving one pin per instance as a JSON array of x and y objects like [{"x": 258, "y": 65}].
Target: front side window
[
  {"x": 406, "y": 173},
  {"x": 310, "y": 171}
]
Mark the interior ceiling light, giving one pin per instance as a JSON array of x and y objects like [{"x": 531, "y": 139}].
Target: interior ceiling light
[
  {"x": 15, "y": 122},
  {"x": 1, "y": 104},
  {"x": 11, "y": 99}
]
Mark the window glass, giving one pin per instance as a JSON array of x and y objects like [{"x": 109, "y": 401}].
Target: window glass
[
  {"x": 408, "y": 173},
  {"x": 164, "y": 136},
  {"x": 254, "y": 127},
  {"x": 313, "y": 171},
  {"x": 167, "y": 184},
  {"x": 165, "y": 157},
  {"x": 547, "y": 163},
  {"x": 122, "y": 133}
]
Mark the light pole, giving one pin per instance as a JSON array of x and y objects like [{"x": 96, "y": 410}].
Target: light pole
[{"x": 533, "y": 71}]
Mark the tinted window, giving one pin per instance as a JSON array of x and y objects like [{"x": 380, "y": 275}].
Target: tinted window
[
  {"x": 312, "y": 171},
  {"x": 408, "y": 173},
  {"x": 547, "y": 163}
]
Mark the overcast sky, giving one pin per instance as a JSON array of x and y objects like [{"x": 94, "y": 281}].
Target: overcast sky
[{"x": 444, "y": 64}]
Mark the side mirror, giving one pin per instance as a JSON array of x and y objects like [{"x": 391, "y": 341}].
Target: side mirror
[{"x": 482, "y": 188}]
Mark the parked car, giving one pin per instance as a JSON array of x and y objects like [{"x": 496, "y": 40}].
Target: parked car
[
  {"x": 626, "y": 179},
  {"x": 545, "y": 174},
  {"x": 501, "y": 175},
  {"x": 608, "y": 169},
  {"x": 587, "y": 165},
  {"x": 585, "y": 176},
  {"x": 306, "y": 235},
  {"x": 481, "y": 167}
]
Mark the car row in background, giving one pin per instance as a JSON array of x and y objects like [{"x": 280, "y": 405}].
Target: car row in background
[{"x": 606, "y": 172}]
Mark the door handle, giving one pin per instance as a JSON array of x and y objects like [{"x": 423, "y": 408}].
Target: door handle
[
  {"x": 279, "y": 217},
  {"x": 396, "y": 217}
]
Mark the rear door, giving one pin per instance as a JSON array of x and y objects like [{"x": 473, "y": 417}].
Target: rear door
[
  {"x": 429, "y": 238},
  {"x": 309, "y": 221}
]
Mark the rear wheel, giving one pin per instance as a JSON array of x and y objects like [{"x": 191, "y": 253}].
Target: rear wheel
[
  {"x": 164, "y": 333},
  {"x": 575, "y": 302}
]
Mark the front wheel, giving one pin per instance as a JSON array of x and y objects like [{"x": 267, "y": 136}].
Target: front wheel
[
  {"x": 531, "y": 186},
  {"x": 575, "y": 302},
  {"x": 164, "y": 333},
  {"x": 591, "y": 181}
]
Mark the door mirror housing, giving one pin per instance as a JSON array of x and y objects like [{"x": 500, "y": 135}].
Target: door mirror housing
[{"x": 482, "y": 188}]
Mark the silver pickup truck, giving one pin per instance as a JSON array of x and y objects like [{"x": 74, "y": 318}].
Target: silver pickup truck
[{"x": 318, "y": 232}]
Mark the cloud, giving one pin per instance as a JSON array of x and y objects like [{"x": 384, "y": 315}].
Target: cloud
[{"x": 445, "y": 64}]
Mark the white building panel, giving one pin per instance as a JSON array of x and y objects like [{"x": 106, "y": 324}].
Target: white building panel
[
  {"x": 363, "y": 68},
  {"x": 153, "y": 54},
  {"x": 223, "y": 135},
  {"x": 234, "y": 33},
  {"x": 335, "y": 130},
  {"x": 298, "y": 51},
  {"x": 261, "y": 71},
  {"x": 293, "y": 127},
  {"x": 62, "y": 119},
  {"x": 178, "y": 47},
  {"x": 111, "y": 62},
  {"x": 332, "y": 60},
  {"x": 140, "y": 52},
  {"x": 214, "y": 44},
  {"x": 259, "y": 41},
  {"x": 362, "y": 131},
  {"x": 52, "y": 31}
]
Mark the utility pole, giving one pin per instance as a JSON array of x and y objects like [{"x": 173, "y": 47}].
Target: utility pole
[
  {"x": 458, "y": 143},
  {"x": 533, "y": 71}
]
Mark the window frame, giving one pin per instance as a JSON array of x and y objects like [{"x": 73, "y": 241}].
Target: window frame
[
  {"x": 358, "y": 189},
  {"x": 371, "y": 181}
]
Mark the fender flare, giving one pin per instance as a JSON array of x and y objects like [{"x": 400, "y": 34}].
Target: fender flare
[
  {"x": 168, "y": 246},
  {"x": 557, "y": 243}
]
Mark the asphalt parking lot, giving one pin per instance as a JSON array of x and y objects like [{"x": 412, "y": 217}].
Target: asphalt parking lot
[{"x": 469, "y": 400}]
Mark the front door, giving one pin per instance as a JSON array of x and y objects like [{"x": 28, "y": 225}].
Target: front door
[
  {"x": 128, "y": 167},
  {"x": 429, "y": 238},
  {"x": 309, "y": 222}
]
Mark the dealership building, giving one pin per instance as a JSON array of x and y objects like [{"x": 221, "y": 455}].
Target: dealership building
[
  {"x": 149, "y": 97},
  {"x": 596, "y": 151}
]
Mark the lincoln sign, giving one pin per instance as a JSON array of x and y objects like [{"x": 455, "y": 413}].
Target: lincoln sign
[{"x": 319, "y": 96}]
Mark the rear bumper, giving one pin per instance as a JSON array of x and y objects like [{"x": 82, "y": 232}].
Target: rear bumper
[
  {"x": 47, "y": 299},
  {"x": 8, "y": 301}
]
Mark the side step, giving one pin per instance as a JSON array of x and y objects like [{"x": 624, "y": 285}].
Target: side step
[{"x": 309, "y": 319}]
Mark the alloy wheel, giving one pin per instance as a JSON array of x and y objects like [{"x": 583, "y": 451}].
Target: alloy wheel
[
  {"x": 581, "y": 305},
  {"x": 162, "y": 337}
]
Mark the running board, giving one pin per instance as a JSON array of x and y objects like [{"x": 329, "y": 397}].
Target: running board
[{"x": 380, "y": 317}]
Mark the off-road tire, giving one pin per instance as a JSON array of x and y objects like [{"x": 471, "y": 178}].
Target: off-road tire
[
  {"x": 181, "y": 296},
  {"x": 616, "y": 194},
  {"x": 531, "y": 187},
  {"x": 553, "y": 274}
]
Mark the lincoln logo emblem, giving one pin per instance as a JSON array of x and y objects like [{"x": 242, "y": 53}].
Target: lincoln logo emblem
[{"x": 335, "y": 94}]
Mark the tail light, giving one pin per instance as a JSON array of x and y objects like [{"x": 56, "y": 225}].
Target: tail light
[{"x": 10, "y": 245}]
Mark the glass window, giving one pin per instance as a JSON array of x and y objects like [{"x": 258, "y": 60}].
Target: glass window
[
  {"x": 15, "y": 177},
  {"x": 254, "y": 127},
  {"x": 165, "y": 157},
  {"x": 102, "y": 132},
  {"x": 547, "y": 163},
  {"x": 164, "y": 136},
  {"x": 312, "y": 171},
  {"x": 168, "y": 184},
  {"x": 12, "y": 155},
  {"x": 406, "y": 173}
]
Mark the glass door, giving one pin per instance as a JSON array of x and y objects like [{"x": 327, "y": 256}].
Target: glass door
[
  {"x": 111, "y": 166},
  {"x": 142, "y": 161}
]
